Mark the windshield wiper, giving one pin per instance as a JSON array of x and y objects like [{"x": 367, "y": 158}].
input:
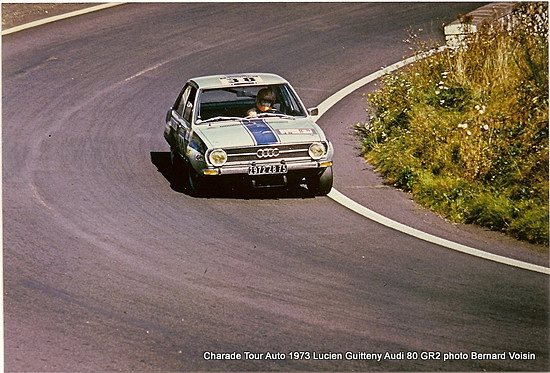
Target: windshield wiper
[
  {"x": 219, "y": 118},
  {"x": 259, "y": 115},
  {"x": 275, "y": 115}
]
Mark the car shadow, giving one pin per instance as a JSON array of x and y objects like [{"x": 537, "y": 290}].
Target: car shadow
[{"x": 178, "y": 183}]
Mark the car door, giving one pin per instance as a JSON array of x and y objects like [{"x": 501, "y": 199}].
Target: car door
[{"x": 181, "y": 118}]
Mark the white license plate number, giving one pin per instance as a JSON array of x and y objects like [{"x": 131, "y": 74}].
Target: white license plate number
[{"x": 268, "y": 169}]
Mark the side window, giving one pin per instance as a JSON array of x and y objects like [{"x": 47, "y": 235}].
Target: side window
[
  {"x": 182, "y": 100},
  {"x": 188, "y": 110}
]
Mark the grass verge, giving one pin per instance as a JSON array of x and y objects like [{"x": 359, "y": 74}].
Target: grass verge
[{"x": 466, "y": 130}]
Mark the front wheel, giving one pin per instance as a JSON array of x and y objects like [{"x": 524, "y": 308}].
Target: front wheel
[
  {"x": 196, "y": 182},
  {"x": 177, "y": 170},
  {"x": 321, "y": 185}
]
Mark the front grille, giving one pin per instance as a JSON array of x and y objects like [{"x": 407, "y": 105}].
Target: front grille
[{"x": 283, "y": 152}]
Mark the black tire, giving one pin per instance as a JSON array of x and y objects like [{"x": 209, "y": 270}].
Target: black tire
[
  {"x": 195, "y": 182},
  {"x": 321, "y": 185},
  {"x": 178, "y": 170}
]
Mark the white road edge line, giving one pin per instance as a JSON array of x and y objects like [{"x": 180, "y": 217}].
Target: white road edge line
[
  {"x": 59, "y": 17},
  {"x": 369, "y": 214},
  {"x": 146, "y": 71}
]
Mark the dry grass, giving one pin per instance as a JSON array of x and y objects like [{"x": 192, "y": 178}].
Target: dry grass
[{"x": 466, "y": 130}]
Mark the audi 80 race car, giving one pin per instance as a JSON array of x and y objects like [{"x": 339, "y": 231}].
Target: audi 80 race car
[{"x": 247, "y": 127}]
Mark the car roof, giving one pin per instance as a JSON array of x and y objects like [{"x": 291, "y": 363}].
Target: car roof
[{"x": 236, "y": 80}]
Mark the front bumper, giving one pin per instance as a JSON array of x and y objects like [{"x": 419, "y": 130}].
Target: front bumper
[
  {"x": 293, "y": 167},
  {"x": 296, "y": 174}
]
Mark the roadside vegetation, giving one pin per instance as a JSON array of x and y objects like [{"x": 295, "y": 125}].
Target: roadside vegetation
[{"x": 465, "y": 131}]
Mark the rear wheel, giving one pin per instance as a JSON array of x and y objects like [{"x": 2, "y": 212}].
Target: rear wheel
[{"x": 321, "y": 185}]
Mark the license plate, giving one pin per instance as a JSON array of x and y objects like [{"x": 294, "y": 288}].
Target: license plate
[{"x": 268, "y": 169}]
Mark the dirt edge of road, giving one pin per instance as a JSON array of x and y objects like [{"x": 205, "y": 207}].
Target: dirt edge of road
[{"x": 16, "y": 14}]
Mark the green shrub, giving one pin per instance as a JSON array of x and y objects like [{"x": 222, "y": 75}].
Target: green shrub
[{"x": 466, "y": 130}]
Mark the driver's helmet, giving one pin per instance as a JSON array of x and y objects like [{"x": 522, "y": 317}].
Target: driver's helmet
[{"x": 265, "y": 99}]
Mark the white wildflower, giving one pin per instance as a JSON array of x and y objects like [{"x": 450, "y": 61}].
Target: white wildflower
[
  {"x": 463, "y": 125},
  {"x": 480, "y": 109}
]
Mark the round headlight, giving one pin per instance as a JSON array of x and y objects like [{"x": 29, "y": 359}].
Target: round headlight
[
  {"x": 316, "y": 150},
  {"x": 218, "y": 157}
]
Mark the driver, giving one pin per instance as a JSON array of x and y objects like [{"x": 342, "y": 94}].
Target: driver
[{"x": 264, "y": 102}]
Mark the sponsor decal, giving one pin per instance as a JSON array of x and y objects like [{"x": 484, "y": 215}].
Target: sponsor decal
[{"x": 297, "y": 131}]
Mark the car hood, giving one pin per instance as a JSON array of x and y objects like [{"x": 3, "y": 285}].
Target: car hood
[{"x": 257, "y": 132}]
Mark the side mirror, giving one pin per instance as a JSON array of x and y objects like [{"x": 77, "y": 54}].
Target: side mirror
[
  {"x": 313, "y": 111},
  {"x": 169, "y": 115}
]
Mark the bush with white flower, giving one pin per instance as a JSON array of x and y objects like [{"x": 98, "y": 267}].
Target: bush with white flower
[{"x": 466, "y": 130}]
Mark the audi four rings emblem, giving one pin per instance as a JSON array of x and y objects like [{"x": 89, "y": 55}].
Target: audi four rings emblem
[{"x": 268, "y": 153}]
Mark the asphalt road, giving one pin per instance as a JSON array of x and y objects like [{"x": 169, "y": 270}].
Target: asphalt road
[{"x": 108, "y": 268}]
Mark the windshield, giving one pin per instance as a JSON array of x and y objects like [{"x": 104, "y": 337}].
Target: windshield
[{"x": 248, "y": 102}]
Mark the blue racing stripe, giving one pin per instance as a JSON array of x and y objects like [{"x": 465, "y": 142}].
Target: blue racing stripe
[{"x": 262, "y": 133}]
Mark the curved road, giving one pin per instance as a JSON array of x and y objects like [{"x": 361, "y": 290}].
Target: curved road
[{"x": 106, "y": 267}]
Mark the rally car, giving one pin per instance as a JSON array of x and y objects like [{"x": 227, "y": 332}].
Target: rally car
[{"x": 249, "y": 128}]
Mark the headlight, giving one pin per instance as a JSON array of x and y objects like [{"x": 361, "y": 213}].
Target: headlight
[
  {"x": 218, "y": 157},
  {"x": 316, "y": 150}
]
